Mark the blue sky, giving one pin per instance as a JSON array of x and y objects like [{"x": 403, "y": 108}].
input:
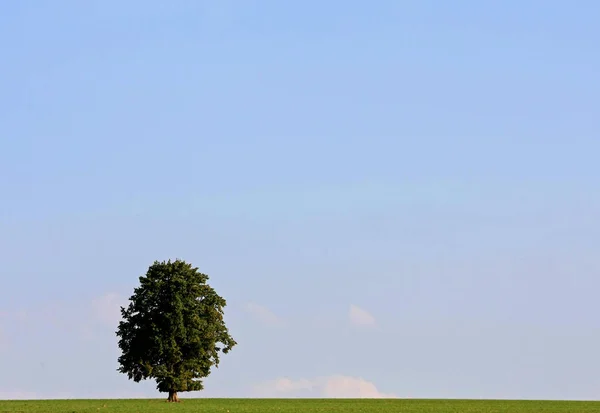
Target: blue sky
[{"x": 396, "y": 198}]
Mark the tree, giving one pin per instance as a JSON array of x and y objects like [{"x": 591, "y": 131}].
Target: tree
[{"x": 173, "y": 329}]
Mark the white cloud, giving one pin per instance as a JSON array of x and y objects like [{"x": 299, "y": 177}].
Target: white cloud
[
  {"x": 337, "y": 386},
  {"x": 263, "y": 314},
  {"x": 360, "y": 317},
  {"x": 107, "y": 309},
  {"x": 353, "y": 387}
]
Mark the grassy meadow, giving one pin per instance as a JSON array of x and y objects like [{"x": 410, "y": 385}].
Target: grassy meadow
[{"x": 297, "y": 406}]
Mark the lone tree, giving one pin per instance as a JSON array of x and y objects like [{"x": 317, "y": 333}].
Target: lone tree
[{"x": 173, "y": 329}]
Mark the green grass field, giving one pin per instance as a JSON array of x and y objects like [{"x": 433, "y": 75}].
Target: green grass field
[{"x": 297, "y": 405}]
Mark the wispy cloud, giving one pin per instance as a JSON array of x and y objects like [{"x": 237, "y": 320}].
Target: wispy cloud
[
  {"x": 263, "y": 314},
  {"x": 336, "y": 386},
  {"x": 360, "y": 317}
]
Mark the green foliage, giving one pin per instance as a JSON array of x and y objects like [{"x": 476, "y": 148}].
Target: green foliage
[
  {"x": 301, "y": 405},
  {"x": 173, "y": 328}
]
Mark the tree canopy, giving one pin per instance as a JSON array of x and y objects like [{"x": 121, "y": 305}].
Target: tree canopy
[{"x": 173, "y": 329}]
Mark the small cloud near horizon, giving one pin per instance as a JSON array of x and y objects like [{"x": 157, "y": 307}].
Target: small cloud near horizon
[
  {"x": 263, "y": 314},
  {"x": 335, "y": 386},
  {"x": 360, "y": 317}
]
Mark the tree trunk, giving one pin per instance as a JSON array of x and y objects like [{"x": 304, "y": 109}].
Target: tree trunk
[{"x": 173, "y": 397}]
